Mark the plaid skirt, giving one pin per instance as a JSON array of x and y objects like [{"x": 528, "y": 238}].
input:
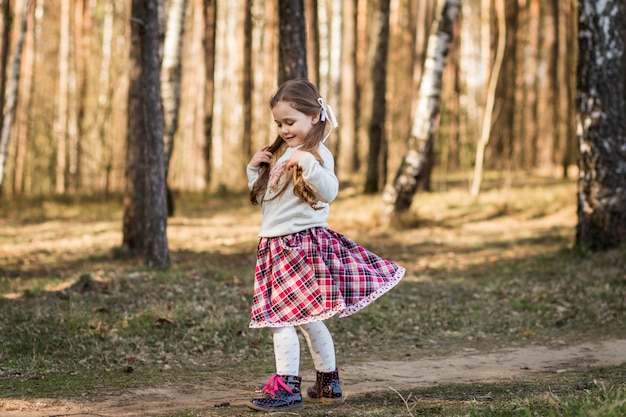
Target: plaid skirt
[{"x": 314, "y": 274}]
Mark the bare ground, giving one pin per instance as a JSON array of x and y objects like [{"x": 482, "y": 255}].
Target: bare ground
[{"x": 466, "y": 367}]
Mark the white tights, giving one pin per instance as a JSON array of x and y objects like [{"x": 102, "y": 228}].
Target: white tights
[{"x": 287, "y": 348}]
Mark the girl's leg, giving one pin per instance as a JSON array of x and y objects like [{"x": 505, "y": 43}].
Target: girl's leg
[
  {"x": 321, "y": 346},
  {"x": 327, "y": 387},
  {"x": 286, "y": 350},
  {"x": 282, "y": 391}
]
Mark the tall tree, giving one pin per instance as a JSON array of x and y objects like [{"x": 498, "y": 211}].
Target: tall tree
[
  {"x": 82, "y": 37},
  {"x": 601, "y": 102},
  {"x": 62, "y": 105},
  {"x": 248, "y": 80},
  {"x": 398, "y": 196},
  {"x": 376, "y": 131},
  {"x": 145, "y": 217},
  {"x": 10, "y": 103},
  {"x": 347, "y": 155},
  {"x": 7, "y": 25},
  {"x": 209, "y": 12},
  {"x": 105, "y": 94},
  {"x": 313, "y": 40},
  {"x": 171, "y": 74},
  {"x": 494, "y": 77},
  {"x": 292, "y": 46}
]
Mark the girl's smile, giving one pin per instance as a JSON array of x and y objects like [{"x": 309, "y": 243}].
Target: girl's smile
[{"x": 293, "y": 125}]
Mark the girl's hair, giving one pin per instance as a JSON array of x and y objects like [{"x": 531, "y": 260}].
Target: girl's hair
[{"x": 303, "y": 96}]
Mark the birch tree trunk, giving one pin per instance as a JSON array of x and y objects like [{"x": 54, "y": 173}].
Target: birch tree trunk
[
  {"x": 8, "y": 113},
  {"x": 24, "y": 109},
  {"x": 171, "y": 71},
  {"x": 7, "y": 24},
  {"x": 171, "y": 75},
  {"x": 398, "y": 196},
  {"x": 601, "y": 101}
]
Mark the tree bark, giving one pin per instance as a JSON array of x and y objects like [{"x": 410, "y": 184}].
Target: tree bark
[
  {"x": 12, "y": 92},
  {"x": 601, "y": 102},
  {"x": 171, "y": 73},
  {"x": 157, "y": 252},
  {"x": 494, "y": 76},
  {"x": 145, "y": 217},
  {"x": 209, "y": 11},
  {"x": 375, "y": 175},
  {"x": 292, "y": 46},
  {"x": 7, "y": 25},
  {"x": 105, "y": 94},
  {"x": 398, "y": 196},
  {"x": 62, "y": 107},
  {"x": 248, "y": 81},
  {"x": 313, "y": 40},
  {"x": 348, "y": 100}
]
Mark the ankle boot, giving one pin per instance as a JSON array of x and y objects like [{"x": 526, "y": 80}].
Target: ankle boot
[
  {"x": 282, "y": 392},
  {"x": 327, "y": 388}
]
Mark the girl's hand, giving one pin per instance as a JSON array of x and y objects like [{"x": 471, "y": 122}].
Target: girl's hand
[
  {"x": 261, "y": 157},
  {"x": 295, "y": 158}
]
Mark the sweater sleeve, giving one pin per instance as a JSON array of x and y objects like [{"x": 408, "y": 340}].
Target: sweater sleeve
[
  {"x": 253, "y": 174},
  {"x": 321, "y": 178}
]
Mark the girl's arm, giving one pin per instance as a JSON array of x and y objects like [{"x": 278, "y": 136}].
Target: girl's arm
[
  {"x": 321, "y": 178},
  {"x": 263, "y": 156}
]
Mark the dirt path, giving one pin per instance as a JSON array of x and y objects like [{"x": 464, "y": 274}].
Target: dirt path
[{"x": 469, "y": 366}]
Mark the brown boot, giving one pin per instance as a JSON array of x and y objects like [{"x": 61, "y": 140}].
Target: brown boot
[
  {"x": 282, "y": 392},
  {"x": 327, "y": 388}
]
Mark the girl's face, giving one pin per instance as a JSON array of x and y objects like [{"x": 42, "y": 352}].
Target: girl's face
[{"x": 293, "y": 125}]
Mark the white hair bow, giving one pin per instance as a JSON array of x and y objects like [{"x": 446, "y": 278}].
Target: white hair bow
[{"x": 326, "y": 112}]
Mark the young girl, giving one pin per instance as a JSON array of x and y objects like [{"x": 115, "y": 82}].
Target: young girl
[{"x": 305, "y": 272}]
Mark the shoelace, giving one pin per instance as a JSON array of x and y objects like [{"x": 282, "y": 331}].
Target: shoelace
[{"x": 274, "y": 385}]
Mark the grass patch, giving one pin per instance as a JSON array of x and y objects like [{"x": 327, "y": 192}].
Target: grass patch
[{"x": 498, "y": 272}]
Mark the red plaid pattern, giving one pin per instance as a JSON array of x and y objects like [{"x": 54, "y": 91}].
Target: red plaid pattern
[{"x": 314, "y": 274}]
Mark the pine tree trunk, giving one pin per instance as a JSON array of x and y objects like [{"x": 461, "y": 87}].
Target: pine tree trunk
[
  {"x": 134, "y": 230},
  {"x": 157, "y": 252},
  {"x": 601, "y": 103},
  {"x": 375, "y": 175},
  {"x": 347, "y": 109},
  {"x": 62, "y": 107},
  {"x": 313, "y": 40},
  {"x": 209, "y": 11},
  {"x": 292, "y": 47},
  {"x": 105, "y": 94},
  {"x": 398, "y": 196},
  {"x": 248, "y": 80}
]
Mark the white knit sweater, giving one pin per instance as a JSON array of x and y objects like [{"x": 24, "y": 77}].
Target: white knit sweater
[{"x": 288, "y": 213}]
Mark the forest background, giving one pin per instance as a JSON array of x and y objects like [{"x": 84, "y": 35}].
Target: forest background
[
  {"x": 71, "y": 118},
  {"x": 484, "y": 274}
]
